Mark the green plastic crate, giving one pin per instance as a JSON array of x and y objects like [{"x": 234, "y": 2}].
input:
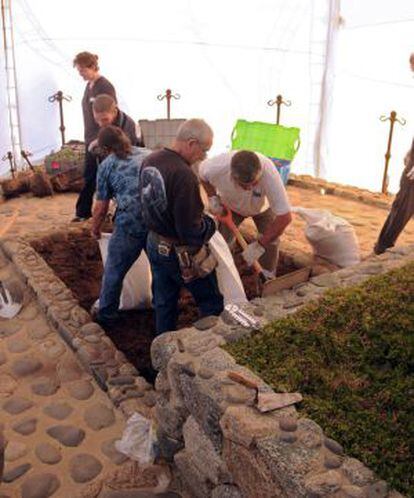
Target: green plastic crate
[{"x": 272, "y": 140}]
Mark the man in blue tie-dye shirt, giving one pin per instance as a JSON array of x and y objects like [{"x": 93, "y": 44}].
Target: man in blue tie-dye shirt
[{"x": 118, "y": 179}]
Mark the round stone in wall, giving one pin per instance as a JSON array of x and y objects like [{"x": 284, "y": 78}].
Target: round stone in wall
[
  {"x": 39, "y": 333},
  {"x": 9, "y": 328},
  {"x": 47, "y": 453},
  {"x": 15, "y": 450},
  {"x": 26, "y": 366},
  {"x": 17, "y": 405},
  {"x": 25, "y": 427},
  {"x": 40, "y": 486},
  {"x": 109, "y": 450},
  {"x": 59, "y": 411},
  {"x": 13, "y": 474},
  {"x": 84, "y": 467},
  {"x": 29, "y": 313},
  {"x": 68, "y": 369},
  {"x": 7, "y": 385},
  {"x": 99, "y": 416},
  {"x": 45, "y": 386},
  {"x": 68, "y": 435},
  {"x": 16, "y": 345},
  {"x": 80, "y": 389},
  {"x": 52, "y": 348}
]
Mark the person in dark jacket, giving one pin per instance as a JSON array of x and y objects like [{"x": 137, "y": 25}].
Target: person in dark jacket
[
  {"x": 402, "y": 209},
  {"x": 87, "y": 65},
  {"x": 105, "y": 112},
  {"x": 178, "y": 228}
]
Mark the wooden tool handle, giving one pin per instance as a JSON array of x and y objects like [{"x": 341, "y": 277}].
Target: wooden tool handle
[
  {"x": 227, "y": 219},
  {"x": 241, "y": 379}
]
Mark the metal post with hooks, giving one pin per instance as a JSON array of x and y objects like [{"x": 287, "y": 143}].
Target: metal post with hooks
[
  {"x": 392, "y": 119},
  {"x": 279, "y": 101},
  {"x": 169, "y": 95},
  {"x": 60, "y": 97},
  {"x": 9, "y": 157},
  {"x": 25, "y": 155}
]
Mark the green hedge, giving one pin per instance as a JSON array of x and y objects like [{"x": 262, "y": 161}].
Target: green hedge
[{"x": 351, "y": 355}]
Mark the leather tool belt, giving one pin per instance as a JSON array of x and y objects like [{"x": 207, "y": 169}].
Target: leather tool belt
[{"x": 194, "y": 261}]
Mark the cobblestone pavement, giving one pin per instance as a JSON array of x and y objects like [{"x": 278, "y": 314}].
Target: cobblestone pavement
[{"x": 59, "y": 425}]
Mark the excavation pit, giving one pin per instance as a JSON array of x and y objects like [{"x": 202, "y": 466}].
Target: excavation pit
[{"x": 75, "y": 258}]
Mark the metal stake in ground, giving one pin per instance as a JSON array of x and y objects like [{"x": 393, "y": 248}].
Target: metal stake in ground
[
  {"x": 9, "y": 157},
  {"x": 59, "y": 97},
  {"x": 168, "y": 95},
  {"x": 25, "y": 156},
  {"x": 279, "y": 101},
  {"x": 392, "y": 119}
]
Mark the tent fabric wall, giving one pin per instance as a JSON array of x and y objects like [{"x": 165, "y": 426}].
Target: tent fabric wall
[{"x": 226, "y": 59}]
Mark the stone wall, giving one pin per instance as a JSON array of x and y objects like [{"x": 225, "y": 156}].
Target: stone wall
[{"x": 209, "y": 428}]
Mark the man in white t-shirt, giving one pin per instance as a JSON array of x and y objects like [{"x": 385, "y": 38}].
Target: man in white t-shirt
[{"x": 249, "y": 184}]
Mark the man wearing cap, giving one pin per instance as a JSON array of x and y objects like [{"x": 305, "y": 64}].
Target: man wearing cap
[{"x": 250, "y": 186}]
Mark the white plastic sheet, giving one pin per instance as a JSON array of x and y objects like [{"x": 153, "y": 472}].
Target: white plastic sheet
[
  {"x": 138, "y": 440},
  {"x": 228, "y": 277},
  {"x": 136, "y": 289}
]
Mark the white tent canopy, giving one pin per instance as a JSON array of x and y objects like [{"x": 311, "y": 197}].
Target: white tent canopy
[{"x": 226, "y": 60}]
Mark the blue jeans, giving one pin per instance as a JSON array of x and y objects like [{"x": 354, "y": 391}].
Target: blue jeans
[
  {"x": 166, "y": 285},
  {"x": 123, "y": 250}
]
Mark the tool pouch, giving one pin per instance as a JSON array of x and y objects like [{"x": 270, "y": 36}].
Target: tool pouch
[{"x": 195, "y": 262}]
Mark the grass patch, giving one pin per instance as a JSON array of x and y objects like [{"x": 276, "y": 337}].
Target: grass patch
[{"x": 351, "y": 355}]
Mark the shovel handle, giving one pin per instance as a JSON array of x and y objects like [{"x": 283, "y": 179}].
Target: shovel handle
[{"x": 227, "y": 219}]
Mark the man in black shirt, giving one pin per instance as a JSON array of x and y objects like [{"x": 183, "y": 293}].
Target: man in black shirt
[
  {"x": 105, "y": 112},
  {"x": 178, "y": 228}
]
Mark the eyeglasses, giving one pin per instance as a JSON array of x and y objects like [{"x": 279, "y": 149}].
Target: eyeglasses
[{"x": 204, "y": 148}]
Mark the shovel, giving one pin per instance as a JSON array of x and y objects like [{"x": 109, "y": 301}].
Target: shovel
[
  {"x": 269, "y": 286},
  {"x": 265, "y": 401},
  {"x": 8, "y": 307}
]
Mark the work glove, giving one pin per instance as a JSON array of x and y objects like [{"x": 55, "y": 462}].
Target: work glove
[
  {"x": 410, "y": 174},
  {"x": 215, "y": 206},
  {"x": 253, "y": 252},
  {"x": 93, "y": 145}
]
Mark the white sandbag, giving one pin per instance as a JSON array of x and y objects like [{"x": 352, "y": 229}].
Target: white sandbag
[
  {"x": 136, "y": 289},
  {"x": 331, "y": 237},
  {"x": 228, "y": 277}
]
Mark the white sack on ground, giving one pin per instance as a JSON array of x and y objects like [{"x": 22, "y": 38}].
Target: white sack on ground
[
  {"x": 136, "y": 289},
  {"x": 228, "y": 277},
  {"x": 331, "y": 237}
]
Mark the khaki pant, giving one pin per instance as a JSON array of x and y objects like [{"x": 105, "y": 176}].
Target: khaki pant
[{"x": 261, "y": 220}]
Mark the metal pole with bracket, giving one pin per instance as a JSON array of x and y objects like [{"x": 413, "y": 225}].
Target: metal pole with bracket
[
  {"x": 279, "y": 101},
  {"x": 392, "y": 119},
  {"x": 60, "y": 97},
  {"x": 169, "y": 95}
]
